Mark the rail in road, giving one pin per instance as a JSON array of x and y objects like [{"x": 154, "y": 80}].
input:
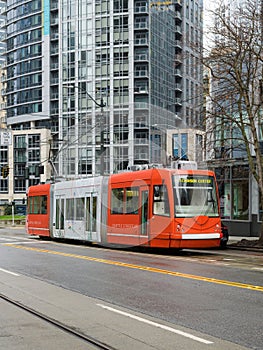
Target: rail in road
[
  {"x": 70, "y": 330},
  {"x": 98, "y": 324}
]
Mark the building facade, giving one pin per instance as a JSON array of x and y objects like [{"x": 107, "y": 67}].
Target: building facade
[
  {"x": 23, "y": 156},
  {"x": 233, "y": 116},
  {"x": 98, "y": 75}
]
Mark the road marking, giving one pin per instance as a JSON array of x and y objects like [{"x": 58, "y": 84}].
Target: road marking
[
  {"x": 158, "y": 325},
  {"x": 14, "y": 238},
  {"x": 24, "y": 242},
  {"x": 8, "y": 239},
  {"x": 143, "y": 268},
  {"x": 10, "y": 272}
]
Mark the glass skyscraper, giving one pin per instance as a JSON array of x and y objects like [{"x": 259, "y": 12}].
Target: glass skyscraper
[{"x": 107, "y": 77}]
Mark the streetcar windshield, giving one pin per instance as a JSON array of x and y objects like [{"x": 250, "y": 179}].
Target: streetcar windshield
[{"x": 195, "y": 195}]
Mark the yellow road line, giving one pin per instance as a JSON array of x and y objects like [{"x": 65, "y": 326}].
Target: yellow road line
[{"x": 144, "y": 268}]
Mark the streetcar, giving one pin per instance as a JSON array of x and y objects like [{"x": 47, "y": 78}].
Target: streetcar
[{"x": 158, "y": 208}]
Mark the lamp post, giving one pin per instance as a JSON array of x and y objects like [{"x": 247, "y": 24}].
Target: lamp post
[{"x": 102, "y": 104}]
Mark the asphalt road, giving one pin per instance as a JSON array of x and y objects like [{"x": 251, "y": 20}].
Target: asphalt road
[{"x": 214, "y": 295}]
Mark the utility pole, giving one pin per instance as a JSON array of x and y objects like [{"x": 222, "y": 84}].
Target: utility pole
[{"x": 102, "y": 148}]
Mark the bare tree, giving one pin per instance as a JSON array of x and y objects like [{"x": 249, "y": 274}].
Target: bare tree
[{"x": 235, "y": 65}]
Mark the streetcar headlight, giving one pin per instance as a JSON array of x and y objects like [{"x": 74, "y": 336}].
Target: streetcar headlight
[{"x": 218, "y": 228}]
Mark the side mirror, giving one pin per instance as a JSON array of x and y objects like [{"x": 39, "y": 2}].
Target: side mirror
[{"x": 156, "y": 191}]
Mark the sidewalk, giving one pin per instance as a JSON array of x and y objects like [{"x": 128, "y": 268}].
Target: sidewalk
[
  {"x": 244, "y": 243},
  {"x": 235, "y": 239}
]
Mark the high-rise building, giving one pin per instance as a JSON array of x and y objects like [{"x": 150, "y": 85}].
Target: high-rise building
[
  {"x": 107, "y": 77},
  {"x": 2, "y": 32}
]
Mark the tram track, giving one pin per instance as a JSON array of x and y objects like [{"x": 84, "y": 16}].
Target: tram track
[{"x": 95, "y": 343}]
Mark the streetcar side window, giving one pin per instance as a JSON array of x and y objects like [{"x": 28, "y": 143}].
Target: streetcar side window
[
  {"x": 30, "y": 205},
  {"x": 117, "y": 200},
  {"x": 132, "y": 200},
  {"x": 70, "y": 208},
  {"x": 80, "y": 208},
  {"x": 125, "y": 200},
  {"x": 161, "y": 201},
  {"x": 87, "y": 214},
  {"x": 43, "y": 205},
  {"x": 37, "y": 205},
  {"x": 94, "y": 214}
]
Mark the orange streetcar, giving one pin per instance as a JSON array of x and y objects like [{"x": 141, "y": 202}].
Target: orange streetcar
[{"x": 165, "y": 208}]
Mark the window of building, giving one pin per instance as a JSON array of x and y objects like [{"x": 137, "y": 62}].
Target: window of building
[
  {"x": 3, "y": 185},
  {"x": 19, "y": 185},
  {"x": 34, "y": 155},
  {"x": 180, "y": 146},
  {"x": 233, "y": 187},
  {"x": 120, "y": 5},
  {"x": 240, "y": 199},
  {"x": 3, "y": 154},
  {"x": 33, "y": 141}
]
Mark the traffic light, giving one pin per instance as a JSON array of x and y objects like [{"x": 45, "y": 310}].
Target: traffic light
[{"x": 5, "y": 171}]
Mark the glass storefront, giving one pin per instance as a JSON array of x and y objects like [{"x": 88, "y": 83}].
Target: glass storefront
[{"x": 233, "y": 186}]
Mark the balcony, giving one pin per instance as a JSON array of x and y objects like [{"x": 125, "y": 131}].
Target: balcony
[
  {"x": 178, "y": 44},
  {"x": 141, "y": 73},
  {"x": 141, "y": 105},
  {"x": 54, "y": 5},
  {"x": 141, "y": 9},
  {"x": 178, "y": 72},
  {"x": 178, "y": 58},
  {"x": 54, "y": 96},
  {"x": 54, "y": 111},
  {"x": 141, "y": 125},
  {"x": 178, "y": 86},
  {"x": 178, "y": 101},
  {"x": 178, "y": 3},
  {"x": 178, "y": 29},
  {"x": 141, "y": 57},
  {"x": 141, "y": 41},
  {"x": 141, "y": 25},
  {"x": 178, "y": 15},
  {"x": 141, "y": 156},
  {"x": 54, "y": 66},
  {"x": 141, "y": 89},
  {"x": 54, "y": 21},
  {"x": 141, "y": 141},
  {"x": 54, "y": 50},
  {"x": 54, "y": 36},
  {"x": 54, "y": 81}
]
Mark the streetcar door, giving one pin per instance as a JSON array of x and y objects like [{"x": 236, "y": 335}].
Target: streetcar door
[
  {"x": 59, "y": 217},
  {"x": 92, "y": 230},
  {"x": 144, "y": 207}
]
